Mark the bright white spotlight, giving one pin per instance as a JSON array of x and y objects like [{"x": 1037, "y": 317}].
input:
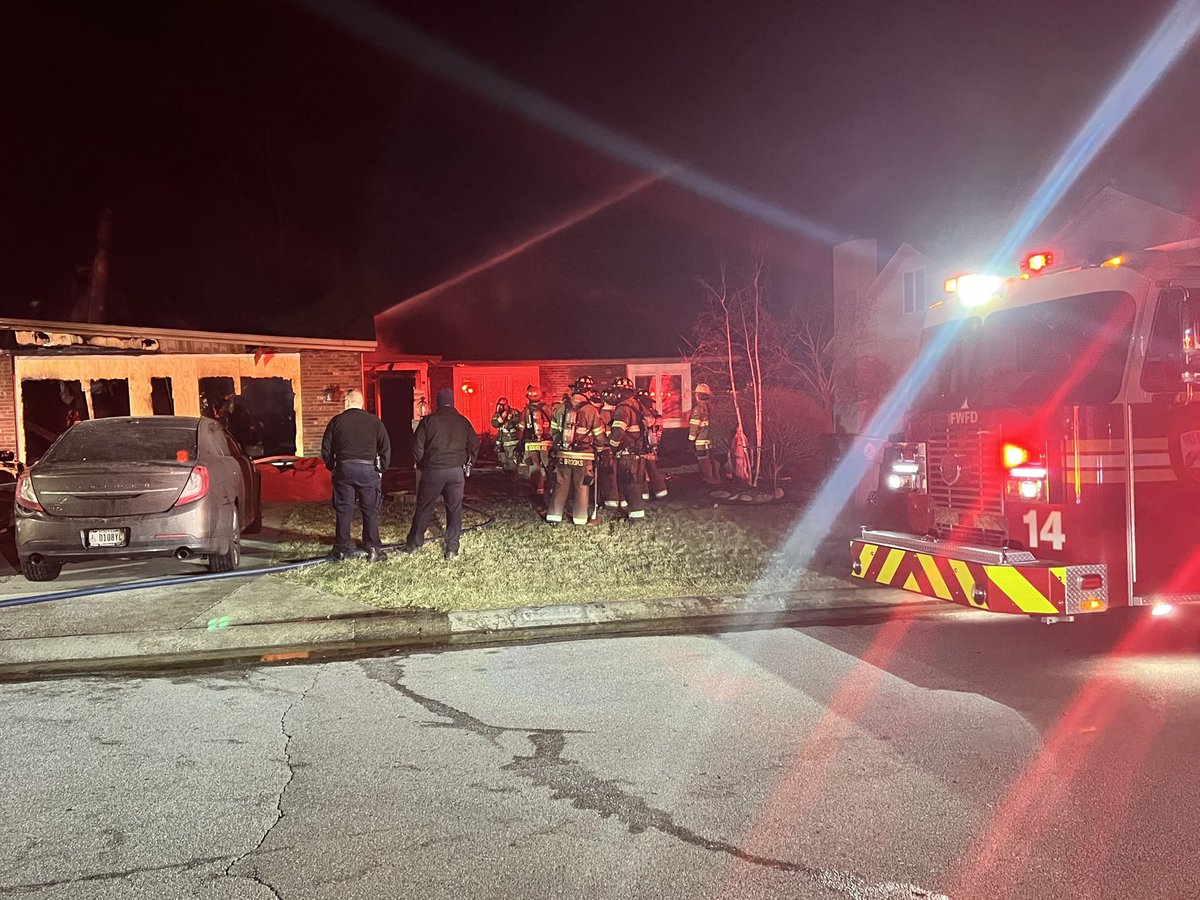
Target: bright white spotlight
[
  {"x": 976, "y": 290},
  {"x": 1161, "y": 609}
]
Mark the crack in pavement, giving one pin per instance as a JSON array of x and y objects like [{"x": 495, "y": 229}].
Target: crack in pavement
[
  {"x": 29, "y": 887},
  {"x": 567, "y": 779},
  {"x": 253, "y": 874}
]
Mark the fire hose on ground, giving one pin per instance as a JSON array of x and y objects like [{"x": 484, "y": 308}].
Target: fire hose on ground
[{"x": 176, "y": 580}]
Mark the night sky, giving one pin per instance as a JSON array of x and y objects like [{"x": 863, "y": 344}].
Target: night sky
[{"x": 269, "y": 172}]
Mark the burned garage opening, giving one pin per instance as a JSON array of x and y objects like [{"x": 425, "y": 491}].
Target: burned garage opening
[
  {"x": 268, "y": 419},
  {"x": 51, "y": 406}
]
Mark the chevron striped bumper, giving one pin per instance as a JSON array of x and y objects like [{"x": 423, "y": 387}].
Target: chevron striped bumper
[{"x": 1006, "y": 581}]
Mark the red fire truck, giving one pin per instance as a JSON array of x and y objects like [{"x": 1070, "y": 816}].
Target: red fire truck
[{"x": 1050, "y": 462}]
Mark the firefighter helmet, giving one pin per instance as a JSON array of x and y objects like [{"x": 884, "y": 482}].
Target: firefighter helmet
[
  {"x": 623, "y": 384},
  {"x": 584, "y": 385},
  {"x": 609, "y": 396},
  {"x": 703, "y": 389},
  {"x": 533, "y": 392}
]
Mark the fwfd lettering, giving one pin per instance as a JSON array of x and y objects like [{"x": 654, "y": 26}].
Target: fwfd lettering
[{"x": 964, "y": 417}]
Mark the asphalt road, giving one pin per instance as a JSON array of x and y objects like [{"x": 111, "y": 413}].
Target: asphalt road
[{"x": 937, "y": 753}]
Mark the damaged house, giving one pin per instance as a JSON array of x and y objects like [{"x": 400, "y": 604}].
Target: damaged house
[{"x": 274, "y": 393}]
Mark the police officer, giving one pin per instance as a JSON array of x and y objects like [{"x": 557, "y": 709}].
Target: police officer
[
  {"x": 652, "y": 421},
  {"x": 700, "y": 435},
  {"x": 535, "y": 438},
  {"x": 356, "y": 449},
  {"x": 576, "y": 431},
  {"x": 507, "y": 422},
  {"x": 444, "y": 448},
  {"x": 625, "y": 438}
]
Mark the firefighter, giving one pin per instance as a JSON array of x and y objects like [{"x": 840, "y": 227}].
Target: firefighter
[
  {"x": 534, "y": 432},
  {"x": 656, "y": 485},
  {"x": 627, "y": 440},
  {"x": 606, "y": 462},
  {"x": 700, "y": 436},
  {"x": 507, "y": 422},
  {"x": 576, "y": 432}
]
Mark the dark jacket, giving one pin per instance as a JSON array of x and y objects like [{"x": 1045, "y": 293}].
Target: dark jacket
[
  {"x": 356, "y": 434},
  {"x": 445, "y": 439}
]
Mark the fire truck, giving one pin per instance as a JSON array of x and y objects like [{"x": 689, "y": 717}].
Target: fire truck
[{"x": 1050, "y": 457}]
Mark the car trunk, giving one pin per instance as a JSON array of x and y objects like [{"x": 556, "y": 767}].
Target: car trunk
[{"x": 82, "y": 490}]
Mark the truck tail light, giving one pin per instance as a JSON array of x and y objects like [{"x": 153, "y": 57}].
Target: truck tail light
[
  {"x": 196, "y": 487},
  {"x": 26, "y": 498},
  {"x": 1026, "y": 475}
]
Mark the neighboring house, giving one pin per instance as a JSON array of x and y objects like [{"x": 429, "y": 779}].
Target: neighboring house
[
  {"x": 284, "y": 389},
  {"x": 878, "y": 315},
  {"x": 879, "y": 312}
]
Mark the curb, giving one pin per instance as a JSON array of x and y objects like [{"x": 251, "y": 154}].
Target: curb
[{"x": 301, "y": 639}]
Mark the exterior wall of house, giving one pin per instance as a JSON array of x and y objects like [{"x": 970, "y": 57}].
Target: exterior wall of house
[
  {"x": 8, "y": 404},
  {"x": 343, "y": 370},
  {"x": 855, "y": 266}
]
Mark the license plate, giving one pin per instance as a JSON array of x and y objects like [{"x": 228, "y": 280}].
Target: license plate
[{"x": 106, "y": 537}]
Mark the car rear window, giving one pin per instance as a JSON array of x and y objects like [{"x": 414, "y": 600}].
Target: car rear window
[{"x": 100, "y": 441}]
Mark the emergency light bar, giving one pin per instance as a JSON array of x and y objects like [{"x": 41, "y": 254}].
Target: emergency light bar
[{"x": 1036, "y": 262}]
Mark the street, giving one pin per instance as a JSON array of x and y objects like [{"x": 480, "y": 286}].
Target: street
[{"x": 938, "y": 753}]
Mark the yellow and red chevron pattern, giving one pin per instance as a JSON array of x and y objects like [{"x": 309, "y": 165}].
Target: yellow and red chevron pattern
[{"x": 1033, "y": 589}]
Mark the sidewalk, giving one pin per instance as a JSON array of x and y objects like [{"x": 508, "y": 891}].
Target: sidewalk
[{"x": 265, "y": 618}]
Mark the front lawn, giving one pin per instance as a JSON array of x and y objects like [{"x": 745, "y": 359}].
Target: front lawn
[{"x": 682, "y": 549}]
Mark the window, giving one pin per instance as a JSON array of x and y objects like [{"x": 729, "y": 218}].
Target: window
[
  {"x": 1163, "y": 369},
  {"x": 162, "y": 401},
  {"x": 914, "y": 290},
  {"x": 669, "y": 386}
]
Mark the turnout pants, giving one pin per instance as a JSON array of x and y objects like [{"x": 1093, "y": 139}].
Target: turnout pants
[
  {"x": 356, "y": 483},
  {"x": 707, "y": 463},
  {"x": 536, "y": 461},
  {"x": 507, "y": 452},
  {"x": 656, "y": 482},
  {"x": 606, "y": 480},
  {"x": 433, "y": 483},
  {"x": 570, "y": 487},
  {"x": 631, "y": 473}
]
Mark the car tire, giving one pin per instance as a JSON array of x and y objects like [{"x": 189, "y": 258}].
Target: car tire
[
  {"x": 232, "y": 557},
  {"x": 40, "y": 571}
]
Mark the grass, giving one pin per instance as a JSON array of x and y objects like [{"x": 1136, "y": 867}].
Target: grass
[{"x": 682, "y": 549}]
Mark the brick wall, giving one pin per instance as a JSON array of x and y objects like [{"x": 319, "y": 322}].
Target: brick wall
[
  {"x": 556, "y": 378},
  {"x": 8, "y": 404},
  {"x": 439, "y": 377},
  {"x": 342, "y": 368}
]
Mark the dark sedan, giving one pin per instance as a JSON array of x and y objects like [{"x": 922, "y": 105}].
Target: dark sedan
[{"x": 136, "y": 488}]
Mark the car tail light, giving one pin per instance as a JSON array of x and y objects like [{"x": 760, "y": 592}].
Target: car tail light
[
  {"x": 196, "y": 487},
  {"x": 26, "y": 498}
]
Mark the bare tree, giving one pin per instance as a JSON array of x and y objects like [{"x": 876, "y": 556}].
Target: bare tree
[{"x": 811, "y": 359}]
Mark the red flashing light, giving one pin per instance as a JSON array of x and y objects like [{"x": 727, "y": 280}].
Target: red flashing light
[
  {"x": 1091, "y": 582},
  {"x": 196, "y": 487},
  {"x": 1014, "y": 455},
  {"x": 1036, "y": 262}
]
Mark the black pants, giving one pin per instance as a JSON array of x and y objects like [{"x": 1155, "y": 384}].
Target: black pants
[
  {"x": 433, "y": 483},
  {"x": 356, "y": 483}
]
